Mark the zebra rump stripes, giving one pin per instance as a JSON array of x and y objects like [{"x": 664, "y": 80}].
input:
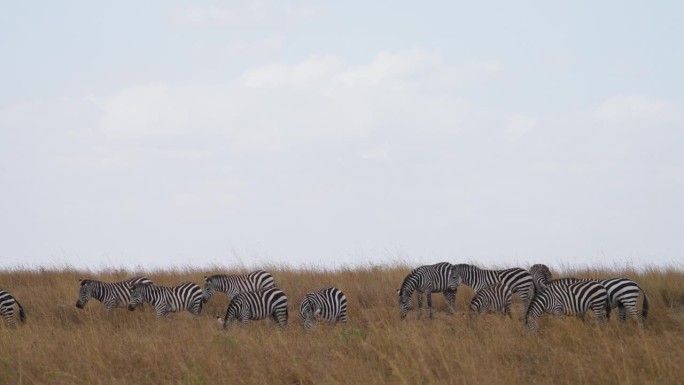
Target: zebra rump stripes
[
  {"x": 257, "y": 305},
  {"x": 439, "y": 277},
  {"x": 623, "y": 293},
  {"x": 328, "y": 304},
  {"x": 568, "y": 299},
  {"x": 7, "y": 302},
  {"x": 184, "y": 296},
  {"x": 235, "y": 284},
  {"x": 492, "y": 299},
  {"x": 112, "y": 295}
]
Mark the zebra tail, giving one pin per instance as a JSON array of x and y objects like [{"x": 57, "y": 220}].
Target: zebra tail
[
  {"x": 644, "y": 309},
  {"x": 22, "y": 314}
]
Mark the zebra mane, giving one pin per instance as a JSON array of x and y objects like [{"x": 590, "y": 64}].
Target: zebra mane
[{"x": 409, "y": 285}]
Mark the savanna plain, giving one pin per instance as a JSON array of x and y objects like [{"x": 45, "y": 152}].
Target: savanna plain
[{"x": 60, "y": 344}]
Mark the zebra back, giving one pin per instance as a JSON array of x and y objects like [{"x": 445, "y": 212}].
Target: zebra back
[
  {"x": 184, "y": 296},
  {"x": 257, "y": 305},
  {"x": 111, "y": 294},
  {"x": 568, "y": 299},
  {"x": 235, "y": 284},
  {"x": 494, "y": 299},
  {"x": 439, "y": 277}
]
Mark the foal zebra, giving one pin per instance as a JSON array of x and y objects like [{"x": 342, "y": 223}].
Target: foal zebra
[
  {"x": 184, "y": 296},
  {"x": 330, "y": 304},
  {"x": 492, "y": 299},
  {"x": 440, "y": 277},
  {"x": 518, "y": 280},
  {"x": 234, "y": 284},
  {"x": 112, "y": 295},
  {"x": 257, "y": 305},
  {"x": 568, "y": 299},
  {"x": 623, "y": 293},
  {"x": 7, "y": 302}
]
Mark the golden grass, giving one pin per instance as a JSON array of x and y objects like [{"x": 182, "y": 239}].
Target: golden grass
[{"x": 60, "y": 344}]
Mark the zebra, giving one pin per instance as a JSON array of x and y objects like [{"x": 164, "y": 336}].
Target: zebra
[
  {"x": 257, "y": 305},
  {"x": 623, "y": 293},
  {"x": 184, "y": 296},
  {"x": 495, "y": 298},
  {"x": 440, "y": 277},
  {"x": 234, "y": 284},
  {"x": 112, "y": 295},
  {"x": 330, "y": 304},
  {"x": 7, "y": 302},
  {"x": 568, "y": 299},
  {"x": 518, "y": 280}
]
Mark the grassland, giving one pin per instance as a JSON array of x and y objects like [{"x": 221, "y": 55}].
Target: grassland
[{"x": 60, "y": 344}]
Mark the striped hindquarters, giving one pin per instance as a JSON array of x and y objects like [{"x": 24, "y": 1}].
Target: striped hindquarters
[
  {"x": 329, "y": 304},
  {"x": 7, "y": 302}
]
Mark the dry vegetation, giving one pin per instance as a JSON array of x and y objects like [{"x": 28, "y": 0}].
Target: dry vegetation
[{"x": 60, "y": 344}]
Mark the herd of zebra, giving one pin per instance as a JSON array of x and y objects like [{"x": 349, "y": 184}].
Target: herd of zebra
[{"x": 254, "y": 296}]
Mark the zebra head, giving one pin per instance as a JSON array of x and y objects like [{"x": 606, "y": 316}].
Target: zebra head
[
  {"x": 308, "y": 311},
  {"x": 209, "y": 289},
  {"x": 405, "y": 303},
  {"x": 84, "y": 293},
  {"x": 138, "y": 294},
  {"x": 543, "y": 302},
  {"x": 541, "y": 275}
]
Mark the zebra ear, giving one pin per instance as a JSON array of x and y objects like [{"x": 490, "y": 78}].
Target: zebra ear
[
  {"x": 81, "y": 282},
  {"x": 317, "y": 312},
  {"x": 399, "y": 291}
]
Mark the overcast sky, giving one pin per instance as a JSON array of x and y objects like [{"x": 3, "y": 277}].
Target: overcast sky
[{"x": 330, "y": 133}]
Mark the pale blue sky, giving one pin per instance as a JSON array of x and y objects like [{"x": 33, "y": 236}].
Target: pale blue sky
[{"x": 168, "y": 133}]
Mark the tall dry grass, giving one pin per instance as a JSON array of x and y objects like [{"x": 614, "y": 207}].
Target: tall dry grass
[{"x": 60, "y": 344}]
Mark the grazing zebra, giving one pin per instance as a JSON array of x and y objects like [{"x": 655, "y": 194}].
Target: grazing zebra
[
  {"x": 492, "y": 299},
  {"x": 234, "y": 284},
  {"x": 518, "y": 280},
  {"x": 330, "y": 304},
  {"x": 257, "y": 305},
  {"x": 7, "y": 308},
  {"x": 184, "y": 296},
  {"x": 440, "y": 277},
  {"x": 112, "y": 295},
  {"x": 568, "y": 299},
  {"x": 623, "y": 293}
]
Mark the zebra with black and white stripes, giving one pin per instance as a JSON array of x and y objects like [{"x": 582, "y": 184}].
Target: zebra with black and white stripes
[
  {"x": 440, "y": 277},
  {"x": 328, "y": 304},
  {"x": 164, "y": 299},
  {"x": 235, "y": 284},
  {"x": 567, "y": 299},
  {"x": 623, "y": 293},
  {"x": 495, "y": 298},
  {"x": 7, "y": 302},
  {"x": 518, "y": 280},
  {"x": 112, "y": 295},
  {"x": 257, "y": 305}
]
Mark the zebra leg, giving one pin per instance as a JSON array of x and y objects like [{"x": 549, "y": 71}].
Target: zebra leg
[
  {"x": 622, "y": 312},
  {"x": 600, "y": 313},
  {"x": 420, "y": 303},
  {"x": 450, "y": 296},
  {"x": 9, "y": 317},
  {"x": 632, "y": 309},
  {"x": 429, "y": 303}
]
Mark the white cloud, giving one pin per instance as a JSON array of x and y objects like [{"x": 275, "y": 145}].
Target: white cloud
[
  {"x": 271, "y": 107},
  {"x": 519, "y": 125},
  {"x": 633, "y": 108}
]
